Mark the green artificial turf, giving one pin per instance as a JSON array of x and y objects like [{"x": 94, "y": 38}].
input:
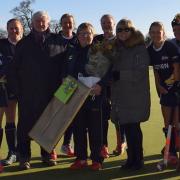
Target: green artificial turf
[{"x": 153, "y": 143}]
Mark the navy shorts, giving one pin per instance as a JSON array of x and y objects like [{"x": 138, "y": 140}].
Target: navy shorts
[
  {"x": 169, "y": 99},
  {"x": 5, "y": 95},
  {"x": 10, "y": 94}
]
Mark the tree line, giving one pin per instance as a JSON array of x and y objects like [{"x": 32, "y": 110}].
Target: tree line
[{"x": 24, "y": 13}]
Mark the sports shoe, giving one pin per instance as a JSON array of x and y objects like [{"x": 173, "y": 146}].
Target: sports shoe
[
  {"x": 104, "y": 152},
  {"x": 127, "y": 165},
  {"x": 117, "y": 151},
  {"x": 120, "y": 149},
  {"x": 54, "y": 155},
  {"x": 138, "y": 165},
  {"x": 96, "y": 166},
  {"x": 24, "y": 164},
  {"x": 79, "y": 164},
  {"x": 67, "y": 150},
  {"x": 11, "y": 158},
  {"x": 49, "y": 161}
]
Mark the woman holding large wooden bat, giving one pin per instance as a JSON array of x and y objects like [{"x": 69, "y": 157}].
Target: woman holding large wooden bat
[{"x": 89, "y": 118}]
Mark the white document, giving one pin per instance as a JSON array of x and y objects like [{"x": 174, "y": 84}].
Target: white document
[{"x": 88, "y": 81}]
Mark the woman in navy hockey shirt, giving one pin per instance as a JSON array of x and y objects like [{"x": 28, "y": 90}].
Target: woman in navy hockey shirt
[
  {"x": 7, "y": 48},
  {"x": 165, "y": 62}
]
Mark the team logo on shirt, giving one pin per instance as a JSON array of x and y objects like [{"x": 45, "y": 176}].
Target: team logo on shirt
[
  {"x": 164, "y": 58},
  {"x": 70, "y": 58},
  {"x": 161, "y": 66}
]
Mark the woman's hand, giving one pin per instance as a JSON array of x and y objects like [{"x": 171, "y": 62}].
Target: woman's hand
[
  {"x": 96, "y": 89},
  {"x": 162, "y": 90}
]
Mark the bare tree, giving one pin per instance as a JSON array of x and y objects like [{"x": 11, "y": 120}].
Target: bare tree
[
  {"x": 147, "y": 40},
  {"x": 3, "y": 33},
  {"x": 55, "y": 26},
  {"x": 24, "y": 12}
]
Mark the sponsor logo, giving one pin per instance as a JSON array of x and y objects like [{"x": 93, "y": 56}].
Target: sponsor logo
[
  {"x": 70, "y": 58},
  {"x": 164, "y": 58},
  {"x": 162, "y": 66}
]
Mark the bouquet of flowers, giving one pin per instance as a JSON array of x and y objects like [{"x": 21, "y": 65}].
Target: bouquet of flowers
[{"x": 99, "y": 61}]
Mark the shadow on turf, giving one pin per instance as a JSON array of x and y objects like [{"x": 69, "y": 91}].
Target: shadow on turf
[
  {"x": 36, "y": 163},
  {"x": 111, "y": 170}
]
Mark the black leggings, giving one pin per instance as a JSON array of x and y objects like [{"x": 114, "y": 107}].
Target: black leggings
[{"x": 134, "y": 138}]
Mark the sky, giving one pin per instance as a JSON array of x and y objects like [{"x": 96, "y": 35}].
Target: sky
[{"x": 141, "y": 12}]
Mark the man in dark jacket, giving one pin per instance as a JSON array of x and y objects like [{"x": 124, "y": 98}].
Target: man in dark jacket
[
  {"x": 36, "y": 74},
  {"x": 89, "y": 118}
]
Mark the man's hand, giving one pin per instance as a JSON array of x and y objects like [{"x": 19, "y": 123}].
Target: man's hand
[{"x": 96, "y": 89}]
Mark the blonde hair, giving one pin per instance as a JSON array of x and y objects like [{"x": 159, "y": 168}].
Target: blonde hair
[
  {"x": 177, "y": 16},
  {"x": 125, "y": 23},
  {"x": 158, "y": 24},
  {"x": 176, "y": 20},
  {"x": 85, "y": 25}
]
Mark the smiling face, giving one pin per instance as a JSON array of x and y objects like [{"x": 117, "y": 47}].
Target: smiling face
[
  {"x": 85, "y": 37},
  {"x": 157, "y": 33},
  {"x": 123, "y": 32},
  {"x": 67, "y": 24},
  {"x": 15, "y": 30},
  {"x": 107, "y": 24},
  {"x": 124, "y": 29},
  {"x": 41, "y": 23}
]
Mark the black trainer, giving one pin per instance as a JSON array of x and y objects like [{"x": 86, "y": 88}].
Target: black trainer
[
  {"x": 49, "y": 161},
  {"x": 127, "y": 165},
  {"x": 24, "y": 164},
  {"x": 138, "y": 165}
]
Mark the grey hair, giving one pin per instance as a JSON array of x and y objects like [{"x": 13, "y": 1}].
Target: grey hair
[
  {"x": 85, "y": 25},
  {"x": 107, "y": 16},
  {"x": 39, "y": 14}
]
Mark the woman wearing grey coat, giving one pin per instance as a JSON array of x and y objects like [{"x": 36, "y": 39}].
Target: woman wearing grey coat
[{"x": 130, "y": 93}]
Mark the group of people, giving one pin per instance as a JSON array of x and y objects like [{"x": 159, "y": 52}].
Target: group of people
[{"x": 33, "y": 67}]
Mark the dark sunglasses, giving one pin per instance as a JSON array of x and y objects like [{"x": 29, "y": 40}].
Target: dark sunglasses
[{"x": 123, "y": 29}]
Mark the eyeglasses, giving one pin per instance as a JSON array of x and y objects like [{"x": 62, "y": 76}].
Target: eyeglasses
[
  {"x": 84, "y": 34},
  {"x": 123, "y": 30}
]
